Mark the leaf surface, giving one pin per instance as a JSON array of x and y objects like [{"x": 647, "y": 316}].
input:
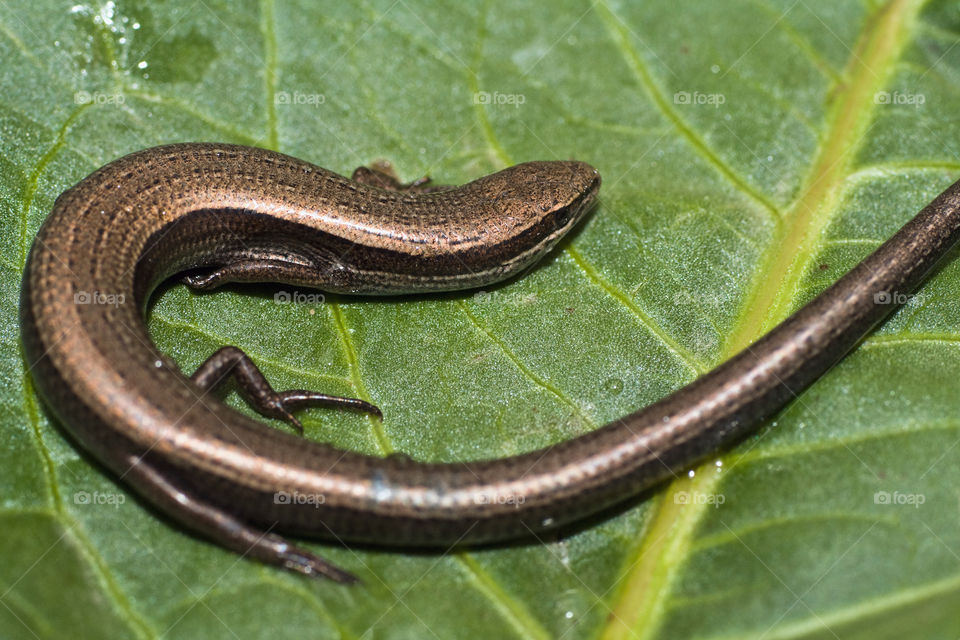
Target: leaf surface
[{"x": 751, "y": 153}]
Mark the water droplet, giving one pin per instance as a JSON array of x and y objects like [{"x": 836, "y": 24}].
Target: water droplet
[
  {"x": 691, "y": 473},
  {"x": 142, "y": 64},
  {"x": 571, "y": 606},
  {"x": 107, "y": 12},
  {"x": 613, "y": 386},
  {"x": 715, "y": 68}
]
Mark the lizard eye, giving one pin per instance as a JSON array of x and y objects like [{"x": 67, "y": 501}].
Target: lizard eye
[{"x": 563, "y": 214}]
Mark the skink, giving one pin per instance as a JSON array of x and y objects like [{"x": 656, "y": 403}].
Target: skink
[{"x": 225, "y": 213}]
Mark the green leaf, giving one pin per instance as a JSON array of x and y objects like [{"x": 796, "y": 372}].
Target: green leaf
[{"x": 751, "y": 153}]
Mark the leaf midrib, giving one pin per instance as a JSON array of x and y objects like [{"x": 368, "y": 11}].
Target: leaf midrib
[{"x": 639, "y": 610}]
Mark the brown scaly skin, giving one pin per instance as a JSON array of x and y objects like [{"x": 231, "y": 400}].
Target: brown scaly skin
[{"x": 244, "y": 214}]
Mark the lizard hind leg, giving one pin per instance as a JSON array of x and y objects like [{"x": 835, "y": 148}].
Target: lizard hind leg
[
  {"x": 232, "y": 362},
  {"x": 191, "y": 510}
]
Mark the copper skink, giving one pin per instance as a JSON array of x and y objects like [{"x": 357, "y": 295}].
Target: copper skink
[{"x": 224, "y": 213}]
